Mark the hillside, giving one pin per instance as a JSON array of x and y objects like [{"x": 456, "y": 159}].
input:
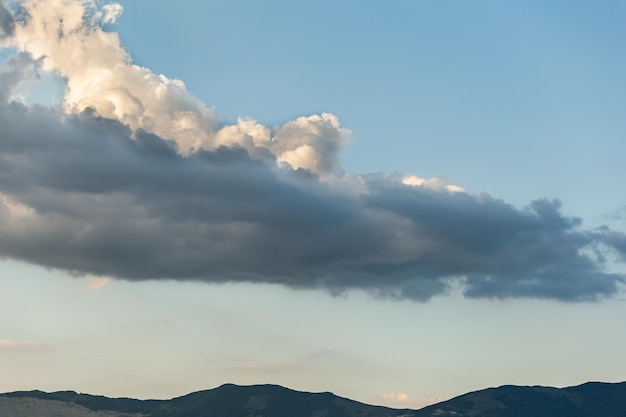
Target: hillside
[
  {"x": 226, "y": 401},
  {"x": 593, "y": 399}
]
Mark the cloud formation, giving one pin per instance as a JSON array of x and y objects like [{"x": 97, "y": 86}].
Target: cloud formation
[
  {"x": 134, "y": 178},
  {"x": 66, "y": 35}
]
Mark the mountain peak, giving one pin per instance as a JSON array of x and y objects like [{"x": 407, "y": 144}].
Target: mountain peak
[{"x": 591, "y": 399}]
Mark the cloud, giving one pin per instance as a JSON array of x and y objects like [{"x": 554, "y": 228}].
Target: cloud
[
  {"x": 101, "y": 77},
  {"x": 434, "y": 183},
  {"x": 617, "y": 240},
  {"x": 110, "y": 12},
  {"x": 398, "y": 397},
  {"x": 25, "y": 346},
  {"x": 7, "y": 25},
  {"x": 134, "y": 178},
  {"x": 618, "y": 214},
  {"x": 96, "y": 283},
  {"x": 403, "y": 400}
]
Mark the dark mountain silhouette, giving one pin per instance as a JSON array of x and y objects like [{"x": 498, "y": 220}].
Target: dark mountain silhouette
[
  {"x": 226, "y": 401},
  {"x": 593, "y": 399}
]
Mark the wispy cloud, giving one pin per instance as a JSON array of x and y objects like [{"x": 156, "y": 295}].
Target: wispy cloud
[
  {"x": 260, "y": 369},
  {"x": 24, "y": 346},
  {"x": 96, "y": 283},
  {"x": 135, "y": 178}
]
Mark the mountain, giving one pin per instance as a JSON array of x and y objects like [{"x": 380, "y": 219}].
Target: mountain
[
  {"x": 593, "y": 399},
  {"x": 226, "y": 401}
]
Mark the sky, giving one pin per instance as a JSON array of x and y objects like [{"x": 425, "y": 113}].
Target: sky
[{"x": 397, "y": 204}]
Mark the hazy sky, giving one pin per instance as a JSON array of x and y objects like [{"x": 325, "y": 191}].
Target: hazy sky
[{"x": 397, "y": 204}]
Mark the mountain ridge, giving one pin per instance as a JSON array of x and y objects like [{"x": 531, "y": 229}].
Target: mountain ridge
[{"x": 590, "y": 399}]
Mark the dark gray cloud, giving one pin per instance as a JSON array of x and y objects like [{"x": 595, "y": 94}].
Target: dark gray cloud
[
  {"x": 84, "y": 194},
  {"x": 7, "y": 25},
  {"x": 617, "y": 240}
]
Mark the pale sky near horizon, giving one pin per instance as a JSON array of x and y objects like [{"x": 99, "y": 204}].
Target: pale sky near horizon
[{"x": 521, "y": 100}]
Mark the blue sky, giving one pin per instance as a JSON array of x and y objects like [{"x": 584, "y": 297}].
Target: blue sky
[{"x": 519, "y": 100}]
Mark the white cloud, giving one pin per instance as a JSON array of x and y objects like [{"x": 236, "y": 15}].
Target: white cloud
[
  {"x": 110, "y": 12},
  {"x": 313, "y": 143},
  {"x": 434, "y": 183},
  {"x": 101, "y": 76},
  {"x": 403, "y": 400}
]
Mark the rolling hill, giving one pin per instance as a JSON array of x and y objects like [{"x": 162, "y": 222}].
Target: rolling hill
[{"x": 593, "y": 399}]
